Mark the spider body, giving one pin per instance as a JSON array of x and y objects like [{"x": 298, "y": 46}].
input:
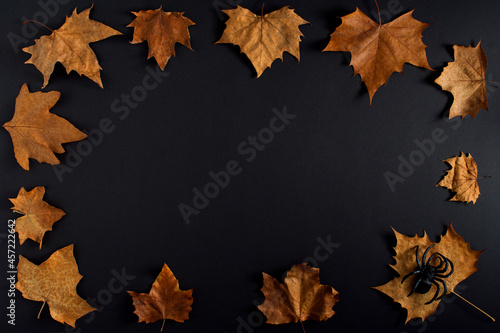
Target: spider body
[
  {"x": 428, "y": 275},
  {"x": 426, "y": 278}
]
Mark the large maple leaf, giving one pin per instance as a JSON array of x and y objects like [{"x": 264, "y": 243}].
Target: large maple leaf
[
  {"x": 465, "y": 78},
  {"x": 300, "y": 298},
  {"x": 452, "y": 246},
  {"x": 164, "y": 301},
  {"x": 379, "y": 50},
  {"x": 38, "y": 217},
  {"x": 162, "y": 30},
  {"x": 37, "y": 133},
  {"x": 69, "y": 45},
  {"x": 54, "y": 283},
  {"x": 461, "y": 178},
  {"x": 264, "y": 38}
]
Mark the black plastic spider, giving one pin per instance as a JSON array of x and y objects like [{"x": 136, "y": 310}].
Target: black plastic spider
[{"x": 429, "y": 275}]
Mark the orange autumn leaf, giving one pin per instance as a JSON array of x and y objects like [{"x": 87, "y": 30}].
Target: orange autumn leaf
[
  {"x": 164, "y": 301},
  {"x": 465, "y": 78},
  {"x": 38, "y": 216},
  {"x": 379, "y": 50},
  {"x": 264, "y": 38},
  {"x": 54, "y": 282},
  {"x": 69, "y": 45},
  {"x": 451, "y": 246},
  {"x": 162, "y": 30},
  {"x": 37, "y": 133},
  {"x": 300, "y": 298},
  {"x": 461, "y": 178}
]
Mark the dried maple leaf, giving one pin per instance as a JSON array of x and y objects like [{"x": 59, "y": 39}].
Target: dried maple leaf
[
  {"x": 300, "y": 298},
  {"x": 37, "y": 133},
  {"x": 54, "y": 283},
  {"x": 264, "y": 38},
  {"x": 38, "y": 217},
  {"x": 379, "y": 50},
  {"x": 461, "y": 178},
  {"x": 465, "y": 78},
  {"x": 161, "y": 30},
  {"x": 69, "y": 45},
  {"x": 451, "y": 246},
  {"x": 164, "y": 301}
]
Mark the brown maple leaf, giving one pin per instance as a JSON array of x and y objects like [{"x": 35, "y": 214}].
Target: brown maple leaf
[
  {"x": 164, "y": 301},
  {"x": 162, "y": 30},
  {"x": 465, "y": 78},
  {"x": 69, "y": 45},
  {"x": 379, "y": 50},
  {"x": 38, "y": 217},
  {"x": 53, "y": 282},
  {"x": 37, "y": 133},
  {"x": 264, "y": 38},
  {"x": 461, "y": 178},
  {"x": 452, "y": 246},
  {"x": 300, "y": 298}
]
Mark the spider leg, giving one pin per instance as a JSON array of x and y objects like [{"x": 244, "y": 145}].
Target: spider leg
[
  {"x": 414, "y": 288},
  {"x": 452, "y": 269},
  {"x": 441, "y": 261},
  {"x": 425, "y": 253},
  {"x": 444, "y": 287},
  {"x": 410, "y": 274},
  {"x": 436, "y": 294},
  {"x": 430, "y": 258},
  {"x": 418, "y": 260}
]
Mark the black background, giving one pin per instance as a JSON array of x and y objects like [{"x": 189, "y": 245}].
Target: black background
[{"x": 320, "y": 177}]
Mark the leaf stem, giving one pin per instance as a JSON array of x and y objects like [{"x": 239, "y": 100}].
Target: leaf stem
[
  {"x": 378, "y": 10},
  {"x": 40, "y": 312},
  {"x": 301, "y": 324},
  {"x": 262, "y": 10},
  {"x": 493, "y": 319},
  {"x": 483, "y": 177},
  {"x": 43, "y": 25},
  {"x": 161, "y": 330},
  {"x": 44, "y": 302},
  {"x": 492, "y": 82}
]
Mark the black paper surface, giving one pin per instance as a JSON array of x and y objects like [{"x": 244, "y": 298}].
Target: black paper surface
[{"x": 309, "y": 186}]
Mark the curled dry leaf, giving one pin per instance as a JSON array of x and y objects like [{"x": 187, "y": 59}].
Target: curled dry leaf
[
  {"x": 451, "y": 246},
  {"x": 300, "y": 298},
  {"x": 164, "y": 301},
  {"x": 461, "y": 178},
  {"x": 38, "y": 217},
  {"x": 264, "y": 38},
  {"x": 162, "y": 30},
  {"x": 379, "y": 50},
  {"x": 69, "y": 45},
  {"x": 465, "y": 78},
  {"x": 54, "y": 283},
  {"x": 37, "y": 133}
]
